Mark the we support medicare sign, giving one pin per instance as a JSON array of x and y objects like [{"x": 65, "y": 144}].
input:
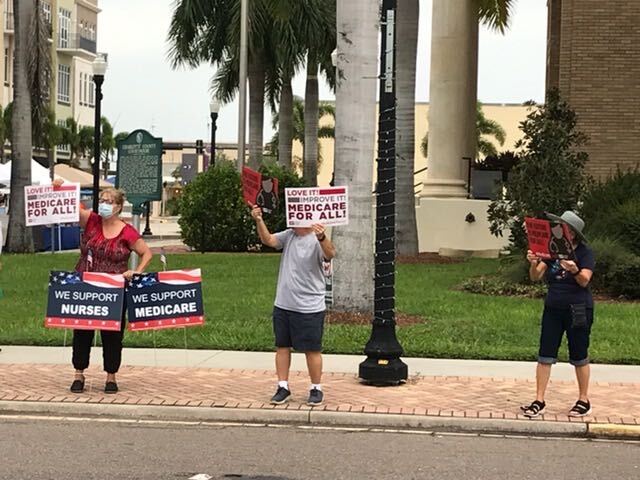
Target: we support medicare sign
[
  {"x": 165, "y": 300},
  {"x": 328, "y": 206},
  {"x": 46, "y": 204}
]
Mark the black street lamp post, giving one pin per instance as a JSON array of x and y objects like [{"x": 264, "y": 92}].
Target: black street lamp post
[
  {"x": 214, "y": 108},
  {"x": 99, "y": 69},
  {"x": 147, "y": 227},
  {"x": 383, "y": 365}
]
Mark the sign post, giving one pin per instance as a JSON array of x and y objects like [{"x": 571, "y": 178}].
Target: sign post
[{"x": 139, "y": 173}]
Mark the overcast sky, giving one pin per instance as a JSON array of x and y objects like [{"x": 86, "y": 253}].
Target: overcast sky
[{"x": 142, "y": 91}]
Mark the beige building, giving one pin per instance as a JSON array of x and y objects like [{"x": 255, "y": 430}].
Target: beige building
[
  {"x": 508, "y": 116},
  {"x": 73, "y": 30}
]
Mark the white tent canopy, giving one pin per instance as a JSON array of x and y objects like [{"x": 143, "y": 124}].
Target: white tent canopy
[{"x": 39, "y": 174}]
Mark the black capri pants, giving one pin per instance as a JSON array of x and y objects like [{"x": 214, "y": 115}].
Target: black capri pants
[
  {"x": 557, "y": 321},
  {"x": 111, "y": 347}
]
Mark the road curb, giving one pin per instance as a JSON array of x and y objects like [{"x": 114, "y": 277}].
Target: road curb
[
  {"x": 300, "y": 417},
  {"x": 613, "y": 430}
]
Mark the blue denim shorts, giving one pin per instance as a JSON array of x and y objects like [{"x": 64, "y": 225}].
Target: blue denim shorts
[
  {"x": 557, "y": 321},
  {"x": 300, "y": 331}
]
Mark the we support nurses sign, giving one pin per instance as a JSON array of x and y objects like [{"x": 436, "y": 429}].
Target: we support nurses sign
[
  {"x": 328, "y": 206},
  {"x": 46, "y": 204},
  {"x": 165, "y": 300},
  {"x": 85, "y": 301}
]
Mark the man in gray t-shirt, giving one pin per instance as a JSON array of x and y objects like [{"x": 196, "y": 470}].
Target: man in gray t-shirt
[{"x": 298, "y": 314}]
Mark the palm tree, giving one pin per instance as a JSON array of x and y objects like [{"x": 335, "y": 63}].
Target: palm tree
[
  {"x": 107, "y": 143},
  {"x": 50, "y": 137},
  {"x": 209, "y": 31},
  {"x": 357, "y": 22},
  {"x": 407, "y": 31},
  {"x": 298, "y": 126},
  {"x": 484, "y": 127},
  {"x": 19, "y": 237}
]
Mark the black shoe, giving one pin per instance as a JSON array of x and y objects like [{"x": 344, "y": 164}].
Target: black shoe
[
  {"x": 315, "y": 397},
  {"x": 580, "y": 409},
  {"x": 282, "y": 395},
  {"x": 77, "y": 386},
  {"x": 534, "y": 410},
  {"x": 111, "y": 387}
]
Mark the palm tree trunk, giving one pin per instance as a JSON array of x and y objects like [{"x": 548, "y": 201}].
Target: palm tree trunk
[
  {"x": 19, "y": 237},
  {"x": 285, "y": 125},
  {"x": 311, "y": 124},
  {"x": 407, "y": 28},
  {"x": 256, "y": 110},
  {"x": 357, "y": 22}
]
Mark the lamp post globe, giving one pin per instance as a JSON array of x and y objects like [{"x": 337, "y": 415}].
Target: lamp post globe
[{"x": 99, "y": 67}]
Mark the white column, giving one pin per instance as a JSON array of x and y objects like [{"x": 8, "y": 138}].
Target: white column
[{"x": 452, "y": 103}]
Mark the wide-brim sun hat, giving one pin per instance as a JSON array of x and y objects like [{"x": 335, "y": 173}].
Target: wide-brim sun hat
[{"x": 573, "y": 220}]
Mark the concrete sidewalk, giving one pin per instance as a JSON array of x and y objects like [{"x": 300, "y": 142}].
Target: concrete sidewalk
[{"x": 200, "y": 385}]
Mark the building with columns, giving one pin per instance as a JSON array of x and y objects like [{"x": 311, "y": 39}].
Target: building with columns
[{"x": 73, "y": 29}]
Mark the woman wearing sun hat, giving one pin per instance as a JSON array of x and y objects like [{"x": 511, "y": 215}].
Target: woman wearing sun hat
[{"x": 568, "y": 307}]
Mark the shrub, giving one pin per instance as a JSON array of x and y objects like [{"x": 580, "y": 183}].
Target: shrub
[
  {"x": 214, "y": 216},
  {"x": 497, "y": 286},
  {"x": 612, "y": 208},
  {"x": 276, "y": 221},
  {"x": 614, "y": 273},
  {"x": 550, "y": 175}
]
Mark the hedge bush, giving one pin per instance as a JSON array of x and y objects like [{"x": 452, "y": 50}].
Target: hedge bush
[{"x": 214, "y": 215}]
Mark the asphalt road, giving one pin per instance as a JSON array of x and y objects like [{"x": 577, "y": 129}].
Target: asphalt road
[{"x": 38, "y": 448}]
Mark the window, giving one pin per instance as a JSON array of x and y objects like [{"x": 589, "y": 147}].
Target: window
[
  {"x": 92, "y": 93},
  {"x": 64, "y": 72},
  {"x": 7, "y": 66},
  {"x": 8, "y": 15},
  {"x": 92, "y": 32},
  {"x": 82, "y": 89},
  {"x": 46, "y": 9},
  {"x": 64, "y": 24}
]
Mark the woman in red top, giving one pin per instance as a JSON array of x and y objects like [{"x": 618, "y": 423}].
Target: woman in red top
[{"x": 107, "y": 243}]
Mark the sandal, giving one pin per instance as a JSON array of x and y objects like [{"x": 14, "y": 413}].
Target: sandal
[
  {"x": 534, "y": 410},
  {"x": 77, "y": 386},
  {"x": 580, "y": 409}
]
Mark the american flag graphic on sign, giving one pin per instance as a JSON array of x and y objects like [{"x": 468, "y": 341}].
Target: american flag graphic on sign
[
  {"x": 165, "y": 300},
  {"x": 85, "y": 301}
]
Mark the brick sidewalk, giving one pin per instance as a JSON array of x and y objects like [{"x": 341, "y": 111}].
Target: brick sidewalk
[{"x": 470, "y": 397}]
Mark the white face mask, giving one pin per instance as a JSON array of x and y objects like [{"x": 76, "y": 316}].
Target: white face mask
[{"x": 105, "y": 210}]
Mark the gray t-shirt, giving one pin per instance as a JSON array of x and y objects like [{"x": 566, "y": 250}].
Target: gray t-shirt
[{"x": 301, "y": 281}]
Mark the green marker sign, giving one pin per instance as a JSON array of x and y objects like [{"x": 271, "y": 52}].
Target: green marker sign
[{"x": 139, "y": 171}]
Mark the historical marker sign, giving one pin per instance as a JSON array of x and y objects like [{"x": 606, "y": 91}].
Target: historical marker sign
[{"x": 139, "y": 171}]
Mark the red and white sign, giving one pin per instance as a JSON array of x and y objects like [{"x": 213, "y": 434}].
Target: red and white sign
[
  {"x": 46, "y": 204},
  {"x": 328, "y": 206},
  {"x": 548, "y": 240}
]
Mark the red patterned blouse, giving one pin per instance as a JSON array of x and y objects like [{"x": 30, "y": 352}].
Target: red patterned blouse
[{"x": 108, "y": 255}]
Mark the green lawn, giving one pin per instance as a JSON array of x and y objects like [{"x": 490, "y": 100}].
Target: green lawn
[{"x": 239, "y": 291}]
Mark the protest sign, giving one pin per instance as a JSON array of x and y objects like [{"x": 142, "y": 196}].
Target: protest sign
[
  {"x": 165, "y": 300},
  {"x": 259, "y": 190},
  {"x": 328, "y": 206},
  {"x": 548, "y": 240},
  {"x": 46, "y": 204},
  {"x": 85, "y": 301}
]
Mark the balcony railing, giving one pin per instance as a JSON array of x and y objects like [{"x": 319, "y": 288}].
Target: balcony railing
[
  {"x": 78, "y": 42},
  {"x": 8, "y": 21}
]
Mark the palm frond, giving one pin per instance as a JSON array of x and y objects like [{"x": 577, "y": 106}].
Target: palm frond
[{"x": 496, "y": 14}]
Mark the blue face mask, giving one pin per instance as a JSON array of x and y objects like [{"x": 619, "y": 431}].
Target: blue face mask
[{"x": 105, "y": 210}]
